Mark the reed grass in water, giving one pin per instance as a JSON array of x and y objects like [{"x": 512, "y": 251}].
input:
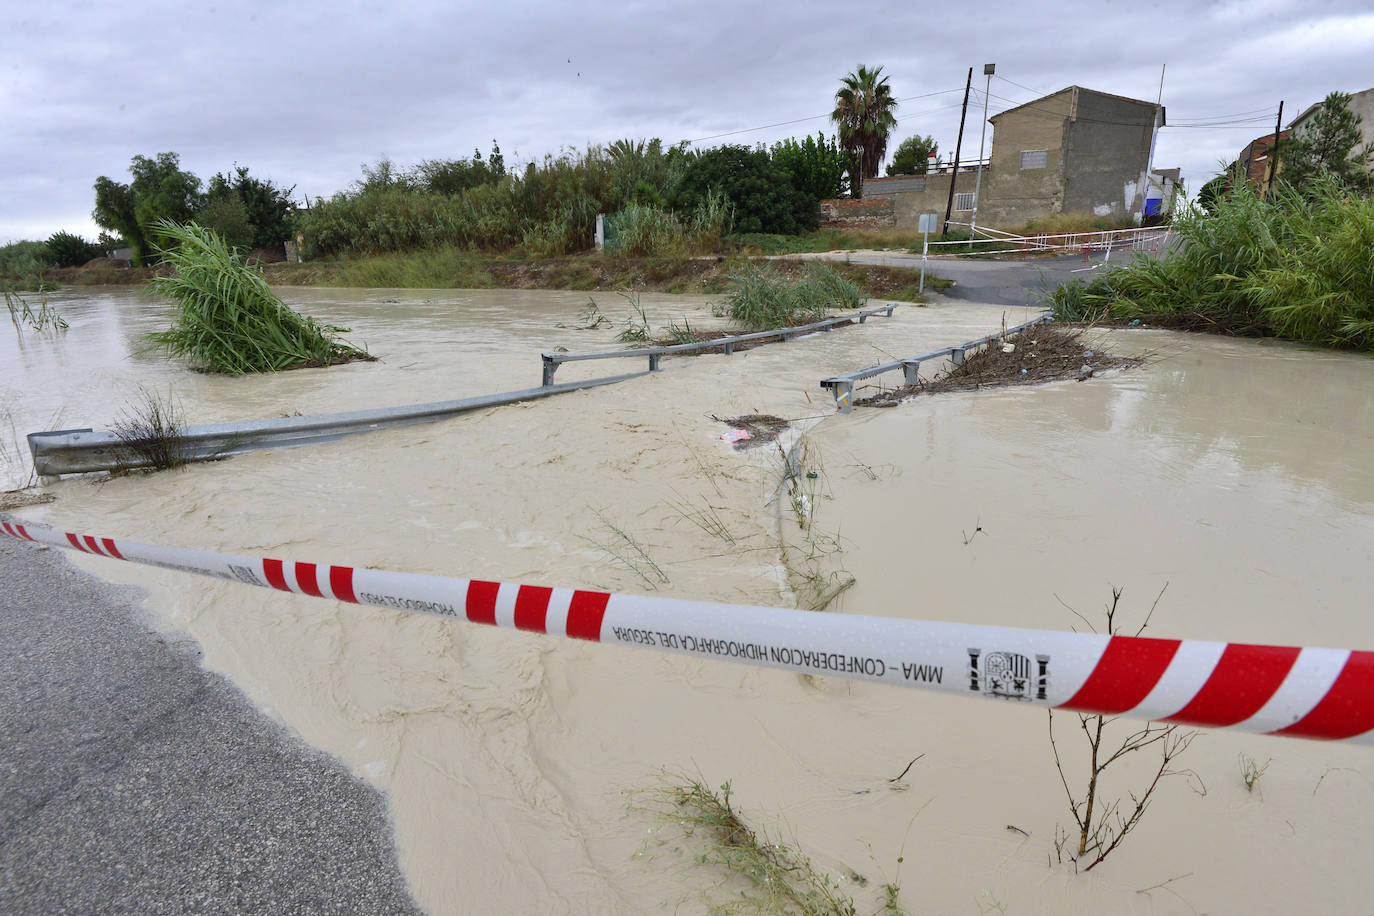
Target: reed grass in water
[
  {"x": 762, "y": 300},
  {"x": 229, "y": 321},
  {"x": 1300, "y": 265}
]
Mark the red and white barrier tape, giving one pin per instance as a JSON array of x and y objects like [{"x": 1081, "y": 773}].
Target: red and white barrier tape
[{"x": 1305, "y": 693}]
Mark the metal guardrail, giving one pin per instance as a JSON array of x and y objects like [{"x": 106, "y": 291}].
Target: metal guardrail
[
  {"x": 77, "y": 451},
  {"x": 842, "y": 386},
  {"x": 551, "y": 361}
]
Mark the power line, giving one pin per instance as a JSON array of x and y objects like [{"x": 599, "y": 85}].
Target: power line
[
  {"x": 749, "y": 130},
  {"x": 1037, "y": 92},
  {"x": 1238, "y": 114},
  {"x": 1249, "y": 127}
]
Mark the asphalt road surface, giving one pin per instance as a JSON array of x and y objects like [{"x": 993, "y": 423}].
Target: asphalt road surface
[
  {"x": 1011, "y": 282},
  {"x": 134, "y": 781}
]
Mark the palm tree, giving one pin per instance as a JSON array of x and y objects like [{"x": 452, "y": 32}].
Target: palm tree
[{"x": 864, "y": 115}]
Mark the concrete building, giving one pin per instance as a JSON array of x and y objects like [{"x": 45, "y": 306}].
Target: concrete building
[{"x": 1076, "y": 151}]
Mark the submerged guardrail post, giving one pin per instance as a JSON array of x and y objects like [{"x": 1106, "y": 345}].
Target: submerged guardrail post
[
  {"x": 550, "y": 367},
  {"x": 843, "y": 390},
  {"x": 956, "y": 355},
  {"x": 653, "y": 361},
  {"x": 911, "y": 369}
]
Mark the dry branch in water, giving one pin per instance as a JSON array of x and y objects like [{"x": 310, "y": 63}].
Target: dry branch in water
[{"x": 1103, "y": 824}]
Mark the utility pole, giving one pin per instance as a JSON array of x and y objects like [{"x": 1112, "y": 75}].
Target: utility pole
[
  {"x": 1274, "y": 154},
  {"x": 1143, "y": 188},
  {"x": 988, "y": 71},
  {"x": 954, "y": 177}
]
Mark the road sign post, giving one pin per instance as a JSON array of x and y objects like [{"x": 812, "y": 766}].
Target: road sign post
[{"x": 927, "y": 224}]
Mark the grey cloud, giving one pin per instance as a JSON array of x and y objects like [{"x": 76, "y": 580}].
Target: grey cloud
[{"x": 305, "y": 93}]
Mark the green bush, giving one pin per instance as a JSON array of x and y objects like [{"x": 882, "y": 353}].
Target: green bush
[
  {"x": 761, "y": 193},
  {"x": 69, "y": 250},
  {"x": 24, "y": 259},
  {"x": 644, "y": 230},
  {"x": 671, "y": 200},
  {"x": 453, "y": 176}
]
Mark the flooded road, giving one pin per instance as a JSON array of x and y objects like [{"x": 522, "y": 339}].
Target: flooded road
[{"x": 1232, "y": 471}]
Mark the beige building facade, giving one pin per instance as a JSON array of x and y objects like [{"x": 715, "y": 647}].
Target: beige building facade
[{"x": 1075, "y": 151}]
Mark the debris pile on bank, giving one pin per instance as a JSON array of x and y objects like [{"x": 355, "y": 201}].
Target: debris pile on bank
[{"x": 1045, "y": 353}]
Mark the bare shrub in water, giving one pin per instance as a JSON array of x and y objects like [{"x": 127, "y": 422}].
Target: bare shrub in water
[
  {"x": 150, "y": 431},
  {"x": 1102, "y": 823},
  {"x": 229, "y": 320}
]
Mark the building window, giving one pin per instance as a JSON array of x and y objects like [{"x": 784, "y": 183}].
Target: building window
[
  {"x": 1035, "y": 158},
  {"x": 963, "y": 201}
]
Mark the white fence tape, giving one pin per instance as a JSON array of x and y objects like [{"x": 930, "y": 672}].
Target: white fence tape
[{"x": 1307, "y": 693}]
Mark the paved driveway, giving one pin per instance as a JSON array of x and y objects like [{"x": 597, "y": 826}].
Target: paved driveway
[{"x": 134, "y": 781}]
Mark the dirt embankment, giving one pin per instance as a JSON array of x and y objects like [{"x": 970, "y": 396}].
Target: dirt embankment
[{"x": 586, "y": 272}]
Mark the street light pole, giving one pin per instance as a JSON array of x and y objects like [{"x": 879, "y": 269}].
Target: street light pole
[{"x": 988, "y": 71}]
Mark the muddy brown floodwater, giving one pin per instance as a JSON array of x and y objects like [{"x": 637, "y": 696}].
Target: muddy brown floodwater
[{"x": 1235, "y": 472}]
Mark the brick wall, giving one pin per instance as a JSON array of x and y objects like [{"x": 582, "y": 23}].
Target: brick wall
[{"x": 868, "y": 213}]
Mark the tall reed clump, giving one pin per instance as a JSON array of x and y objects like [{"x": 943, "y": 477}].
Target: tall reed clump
[
  {"x": 762, "y": 300},
  {"x": 229, "y": 321},
  {"x": 1300, "y": 265},
  {"x": 646, "y": 230}
]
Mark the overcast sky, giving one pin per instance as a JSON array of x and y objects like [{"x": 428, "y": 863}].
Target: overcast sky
[{"x": 305, "y": 94}]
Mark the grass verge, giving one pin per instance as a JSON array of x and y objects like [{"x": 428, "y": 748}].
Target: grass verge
[{"x": 460, "y": 268}]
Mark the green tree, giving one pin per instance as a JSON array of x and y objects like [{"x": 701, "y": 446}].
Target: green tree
[
  {"x": 864, "y": 116},
  {"x": 912, "y": 156},
  {"x": 762, "y": 194},
  {"x": 114, "y": 210},
  {"x": 160, "y": 190},
  {"x": 645, "y": 171},
  {"x": 249, "y": 212},
  {"x": 227, "y": 216},
  {"x": 1211, "y": 193},
  {"x": 816, "y": 165},
  {"x": 1329, "y": 144}
]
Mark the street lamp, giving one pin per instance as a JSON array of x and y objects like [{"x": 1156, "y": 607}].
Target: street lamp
[{"x": 988, "y": 71}]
